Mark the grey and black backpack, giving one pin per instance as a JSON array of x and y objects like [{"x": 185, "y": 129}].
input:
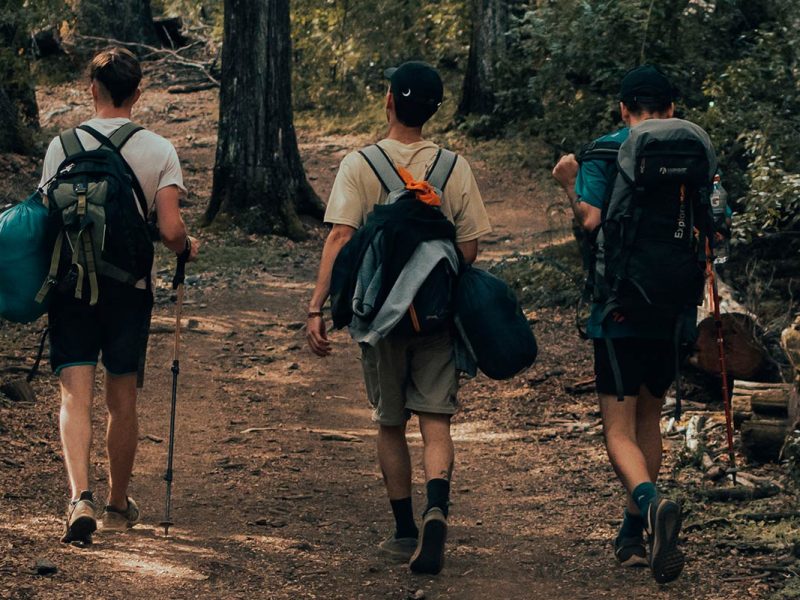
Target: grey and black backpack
[
  {"x": 657, "y": 226},
  {"x": 98, "y": 222}
]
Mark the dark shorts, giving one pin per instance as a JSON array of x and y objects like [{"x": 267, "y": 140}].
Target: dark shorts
[
  {"x": 641, "y": 362},
  {"x": 117, "y": 326}
]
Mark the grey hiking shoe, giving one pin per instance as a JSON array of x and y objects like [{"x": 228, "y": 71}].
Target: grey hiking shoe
[
  {"x": 120, "y": 520},
  {"x": 630, "y": 551},
  {"x": 399, "y": 548},
  {"x": 429, "y": 555},
  {"x": 663, "y": 526},
  {"x": 81, "y": 520}
]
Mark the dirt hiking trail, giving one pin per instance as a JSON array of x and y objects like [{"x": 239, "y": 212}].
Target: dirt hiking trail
[{"x": 277, "y": 492}]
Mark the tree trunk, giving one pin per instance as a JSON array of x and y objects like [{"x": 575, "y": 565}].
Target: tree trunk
[
  {"x": 490, "y": 23},
  {"x": 10, "y": 140},
  {"x": 19, "y": 113},
  {"x": 123, "y": 20},
  {"x": 258, "y": 176}
]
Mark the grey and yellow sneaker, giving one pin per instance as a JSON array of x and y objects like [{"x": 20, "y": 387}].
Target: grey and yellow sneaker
[
  {"x": 81, "y": 520},
  {"x": 630, "y": 551},
  {"x": 120, "y": 520},
  {"x": 429, "y": 555},
  {"x": 663, "y": 526},
  {"x": 399, "y": 548}
]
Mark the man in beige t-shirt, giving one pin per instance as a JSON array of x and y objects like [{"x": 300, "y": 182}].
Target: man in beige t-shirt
[{"x": 406, "y": 374}]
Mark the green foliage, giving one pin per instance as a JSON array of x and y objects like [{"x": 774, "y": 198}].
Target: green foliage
[
  {"x": 341, "y": 47},
  {"x": 549, "y": 278}
]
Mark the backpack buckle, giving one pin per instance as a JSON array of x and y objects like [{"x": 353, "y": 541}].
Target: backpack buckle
[{"x": 80, "y": 189}]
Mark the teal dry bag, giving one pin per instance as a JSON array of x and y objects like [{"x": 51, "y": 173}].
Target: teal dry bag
[{"x": 24, "y": 260}]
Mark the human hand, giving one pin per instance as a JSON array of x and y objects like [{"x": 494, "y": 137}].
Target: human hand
[
  {"x": 566, "y": 171},
  {"x": 317, "y": 337}
]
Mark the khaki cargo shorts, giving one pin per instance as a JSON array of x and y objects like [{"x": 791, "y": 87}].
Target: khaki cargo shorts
[{"x": 410, "y": 374}]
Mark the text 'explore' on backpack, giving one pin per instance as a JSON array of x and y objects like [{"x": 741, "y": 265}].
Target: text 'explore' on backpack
[
  {"x": 491, "y": 323},
  {"x": 24, "y": 259},
  {"x": 432, "y": 308},
  {"x": 98, "y": 217},
  {"x": 651, "y": 246}
]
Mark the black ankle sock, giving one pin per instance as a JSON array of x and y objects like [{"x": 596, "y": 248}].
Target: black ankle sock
[
  {"x": 438, "y": 495},
  {"x": 404, "y": 518}
]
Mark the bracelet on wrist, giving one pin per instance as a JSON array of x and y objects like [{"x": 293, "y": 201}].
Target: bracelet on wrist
[{"x": 312, "y": 314}]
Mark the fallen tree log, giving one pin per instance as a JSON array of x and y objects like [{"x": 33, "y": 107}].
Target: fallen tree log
[
  {"x": 762, "y": 439},
  {"x": 760, "y": 399},
  {"x": 745, "y": 356},
  {"x": 739, "y": 494}
]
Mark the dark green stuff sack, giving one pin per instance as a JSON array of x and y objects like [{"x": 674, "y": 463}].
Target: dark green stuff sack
[
  {"x": 491, "y": 322},
  {"x": 24, "y": 260}
]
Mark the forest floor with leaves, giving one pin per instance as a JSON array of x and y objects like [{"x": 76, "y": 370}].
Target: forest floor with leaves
[{"x": 277, "y": 492}]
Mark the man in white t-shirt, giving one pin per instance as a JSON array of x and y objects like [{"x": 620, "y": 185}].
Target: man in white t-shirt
[{"x": 116, "y": 326}]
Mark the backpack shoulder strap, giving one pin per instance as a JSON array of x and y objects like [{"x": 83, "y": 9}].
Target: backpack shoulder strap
[
  {"x": 442, "y": 168},
  {"x": 600, "y": 150},
  {"x": 110, "y": 144},
  {"x": 121, "y": 136},
  {"x": 383, "y": 167},
  {"x": 70, "y": 143}
]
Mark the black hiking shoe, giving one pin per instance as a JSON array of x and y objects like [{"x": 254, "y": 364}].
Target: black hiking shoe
[
  {"x": 630, "y": 551},
  {"x": 429, "y": 555},
  {"x": 81, "y": 521},
  {"x": 663, "y": 527}
]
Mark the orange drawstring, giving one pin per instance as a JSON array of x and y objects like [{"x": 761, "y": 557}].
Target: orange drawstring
[{"x": 425, "y": 191}]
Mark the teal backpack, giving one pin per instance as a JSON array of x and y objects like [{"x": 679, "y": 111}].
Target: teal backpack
[{"x": 24, "y": 259}]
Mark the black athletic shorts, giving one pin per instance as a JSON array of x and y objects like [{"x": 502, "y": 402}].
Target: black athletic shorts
[
  {"x": 641, "y": 362},
  {"x": 117, "y": 326}
]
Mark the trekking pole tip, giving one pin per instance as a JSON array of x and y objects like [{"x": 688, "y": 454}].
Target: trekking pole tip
[{"x": 166, "y": 525}]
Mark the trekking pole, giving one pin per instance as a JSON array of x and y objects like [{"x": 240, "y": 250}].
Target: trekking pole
[
  {"x": 723, "y": 370},
  {"x": 177, "y": 284}
]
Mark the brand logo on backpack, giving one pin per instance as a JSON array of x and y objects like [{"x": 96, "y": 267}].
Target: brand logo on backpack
[
  {"x": 680, "y": 232},
  {"x": 673, "y": 171}
]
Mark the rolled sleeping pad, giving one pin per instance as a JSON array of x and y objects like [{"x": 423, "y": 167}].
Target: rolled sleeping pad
[
  {"x": 24, "y": 260},
  {"x": 490, "y": 319}
]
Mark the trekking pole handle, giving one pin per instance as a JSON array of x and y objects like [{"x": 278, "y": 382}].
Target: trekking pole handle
[{"x": 180, "y": 269}]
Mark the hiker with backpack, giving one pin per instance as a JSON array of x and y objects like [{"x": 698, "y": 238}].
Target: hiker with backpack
[
  {"x": 104, "y": 182},
  {"x": 642, "y": 194},
  {"x": 405, "y": 213}
]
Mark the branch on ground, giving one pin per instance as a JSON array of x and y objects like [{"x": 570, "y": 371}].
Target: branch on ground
[{"x": 166, "y": 55}]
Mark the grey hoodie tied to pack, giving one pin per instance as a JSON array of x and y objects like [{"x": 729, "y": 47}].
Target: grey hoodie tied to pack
[{"x": 368, "y": 327}]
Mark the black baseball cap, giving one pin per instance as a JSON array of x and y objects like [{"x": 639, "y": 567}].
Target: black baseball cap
[
  {"x": 646, "y": 83},
  {"x": 418, "y": 91}
]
